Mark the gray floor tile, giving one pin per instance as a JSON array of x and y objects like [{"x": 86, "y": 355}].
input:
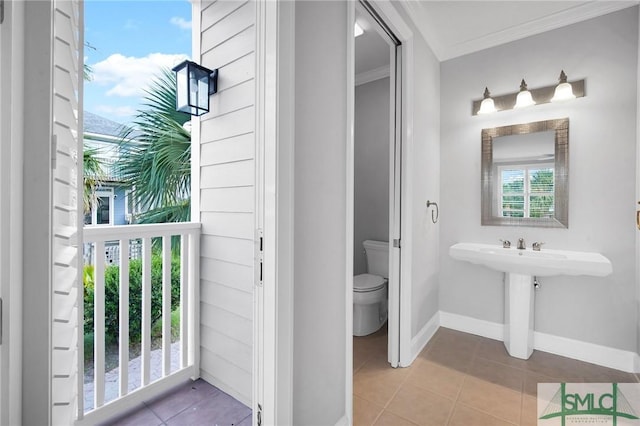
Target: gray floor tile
[
  {"x": 141, "y": 417},
  {"x": 177, "y": 400},
  {"x": 220, "y": 410}
]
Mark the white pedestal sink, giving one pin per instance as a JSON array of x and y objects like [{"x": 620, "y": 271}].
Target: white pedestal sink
[{"x": 520, "y": 268}]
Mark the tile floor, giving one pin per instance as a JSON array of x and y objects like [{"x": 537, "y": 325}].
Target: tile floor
[
  {"x": 194, "y": 404},
  {"x": 459, "y": 379}
]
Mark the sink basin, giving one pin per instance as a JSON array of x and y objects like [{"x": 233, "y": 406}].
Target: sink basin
[
  {"x": 542, "y": 263},
  {"x": 520, "y": 267}
]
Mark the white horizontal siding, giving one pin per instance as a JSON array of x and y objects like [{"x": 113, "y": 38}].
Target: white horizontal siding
[
  {"x": 238, "y": 200},
  {"x": 237, "y": 71},
  {"x": 227, "y": 198},
  {"x": 236, "y": 148},
  {"x": 225, "y": 346},
  {"x": 235, "y": 326},
  {"x": 223, "y": 224},
  {"x": 214, "y": 12},
  {"x": 233, "y": 275},
  {"x": 232, "y": 250},
  {"x": 228, "y": 298},
  {"x": 239, "y": 122},
  {"x": 227, "y": 376},
  {"x": 65, "y": 270},
  {"x": 232, "y": 50},
  {"x": 228, "y": 175},
  {"x": 223, "y": 30},
  {"x": 233, "y": 99}
]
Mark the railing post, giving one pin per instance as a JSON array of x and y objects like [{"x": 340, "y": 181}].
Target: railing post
[
  {"x": 98, "y": 326},
  {"x": 124, "y": 317},
  {"x": 184, "y": 300},
  {"x": 146, "y": 311},
  {"x": 194, "y": 297},
  {"x": 166, "y": 305}
]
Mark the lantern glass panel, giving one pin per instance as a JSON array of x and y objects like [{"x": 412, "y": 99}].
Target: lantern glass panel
[
  {"x": 196, "y": 78},
  {"x": 182, "y": 99}
]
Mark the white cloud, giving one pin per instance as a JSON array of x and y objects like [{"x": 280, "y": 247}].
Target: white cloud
[
  {"x": 180, "y": 23},
  {"x": 128, "y": 75},
  {"x": 120, "y": 111}
]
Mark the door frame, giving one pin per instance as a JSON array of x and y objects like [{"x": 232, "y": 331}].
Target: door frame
[
  {"x": 275, "y": 125},
  {"x": 274, "y": 167},
  {"x": 402, "y": 308},
  {"x": 11, "y": 209}
]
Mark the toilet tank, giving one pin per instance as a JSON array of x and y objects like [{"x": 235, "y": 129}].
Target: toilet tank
[{"x": 377, "y": 257}]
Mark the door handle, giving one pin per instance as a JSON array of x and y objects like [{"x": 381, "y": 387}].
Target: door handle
[{"x": 638, "y": 217}]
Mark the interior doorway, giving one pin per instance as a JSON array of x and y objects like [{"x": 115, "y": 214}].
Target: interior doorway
[{"x": 377, "y": 182}]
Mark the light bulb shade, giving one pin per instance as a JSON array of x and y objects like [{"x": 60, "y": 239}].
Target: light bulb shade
[
  {"x": 563, "y": 92},
  {"x": 487, "y": 106},
  {"x": 194, "y": 85},
  {"x": 524, "y": 99}
]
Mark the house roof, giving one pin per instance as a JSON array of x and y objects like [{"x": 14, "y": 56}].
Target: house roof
[{"x": 101, "y": 126}]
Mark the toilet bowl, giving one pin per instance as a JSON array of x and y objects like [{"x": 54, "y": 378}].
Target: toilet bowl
[{"x": 370, "y": 293}]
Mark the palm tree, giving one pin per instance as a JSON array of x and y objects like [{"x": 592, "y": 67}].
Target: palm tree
[
  {"x": 156, "y": 155},
  {"x": 93, "y": 177}
]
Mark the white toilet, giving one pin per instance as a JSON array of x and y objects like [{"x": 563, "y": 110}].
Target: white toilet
[{"x": 370, "y": 290}]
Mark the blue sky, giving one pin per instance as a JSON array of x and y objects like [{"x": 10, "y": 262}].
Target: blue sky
[{"x": 131, "y": 41}]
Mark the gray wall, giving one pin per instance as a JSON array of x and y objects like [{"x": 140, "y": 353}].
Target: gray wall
[
  {"x": 424, "y": 184},
  {"x": 37, "y": 221},
  {"x": 602, "y": 175},
  {"x": 371, "y": 180},
  {"x": 319, "y": 213}
]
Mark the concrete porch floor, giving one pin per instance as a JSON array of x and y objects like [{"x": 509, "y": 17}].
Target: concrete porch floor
[{"x": 194, "y": 403}]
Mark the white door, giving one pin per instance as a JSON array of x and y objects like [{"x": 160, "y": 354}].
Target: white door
[
  {"x": 395, "y": 202},
  {"x": 395, "y": 173}
]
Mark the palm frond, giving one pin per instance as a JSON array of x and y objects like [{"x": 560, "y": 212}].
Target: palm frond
[{"x": 156, "y": 152}]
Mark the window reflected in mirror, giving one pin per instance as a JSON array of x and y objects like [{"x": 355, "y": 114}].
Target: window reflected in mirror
[{"x": 525, "y": 174}]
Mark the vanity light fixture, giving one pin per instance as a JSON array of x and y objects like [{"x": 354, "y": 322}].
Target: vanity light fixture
[
  {"x": 194, "y": 85},
  {"x": 564, "y": 91},
  {"x": 487, "y": 106},
  {"x": 357, "y": 30},
  {"x": 524, "y": 98}
]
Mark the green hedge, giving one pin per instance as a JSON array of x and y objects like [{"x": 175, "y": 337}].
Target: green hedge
[{"x": 112, "y": 296}]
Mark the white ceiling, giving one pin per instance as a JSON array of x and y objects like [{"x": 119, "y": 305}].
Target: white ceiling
[
  {"x": 371, "y": 50},
  {"x": 456, "y": 28}
]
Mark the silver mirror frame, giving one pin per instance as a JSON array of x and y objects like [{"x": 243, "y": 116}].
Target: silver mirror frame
[{"x": 561, "y": 192}]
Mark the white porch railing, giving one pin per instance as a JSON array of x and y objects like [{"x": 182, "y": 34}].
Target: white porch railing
[{"x": 189, "y": 236}]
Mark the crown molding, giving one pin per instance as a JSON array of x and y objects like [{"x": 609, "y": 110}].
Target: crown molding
[
  {"x": 372, "y": 75},
  {"x": 560, "y": 19}
]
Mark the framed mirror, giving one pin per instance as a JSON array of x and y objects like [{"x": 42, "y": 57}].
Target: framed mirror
[{"x": 525, "y": 174}]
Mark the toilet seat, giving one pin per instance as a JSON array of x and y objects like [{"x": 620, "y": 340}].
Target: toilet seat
[{"x": 365, "y": 283}]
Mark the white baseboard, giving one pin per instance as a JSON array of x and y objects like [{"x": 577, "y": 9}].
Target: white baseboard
[
  {"x": 588, "y": 352},
  {"x": 422, "y": 338},
  {"x": 584, "y": 351},
  {"x": 344, "y": 421},
  {"x": 492, "y": 330}
]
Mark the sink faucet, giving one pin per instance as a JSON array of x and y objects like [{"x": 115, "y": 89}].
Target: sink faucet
[{"x": 521, "y": 245}]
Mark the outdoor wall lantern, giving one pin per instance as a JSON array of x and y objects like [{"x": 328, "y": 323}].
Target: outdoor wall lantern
[
  {"x": 563, "y": 91},
  {"x": 194, "y": 85}
]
